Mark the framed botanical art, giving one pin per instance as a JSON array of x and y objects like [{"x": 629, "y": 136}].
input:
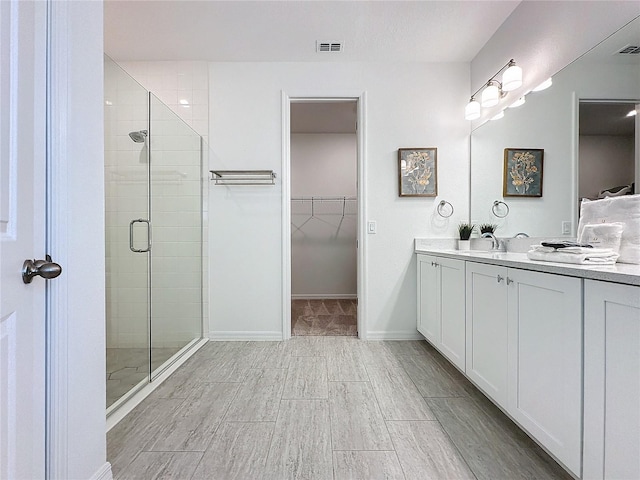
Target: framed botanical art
[
  {"x": 522, "y": 176},
  {"x": 417, "y": 172}
]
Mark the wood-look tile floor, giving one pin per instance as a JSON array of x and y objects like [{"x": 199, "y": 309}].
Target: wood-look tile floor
[
  {"x": 324, "y": 317},
  {"x": 321, "y": 408}
]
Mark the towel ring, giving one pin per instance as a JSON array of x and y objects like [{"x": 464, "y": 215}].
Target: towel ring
[
  {"x": 441, "y": 205},
  {"x": 497, "y": 203}
]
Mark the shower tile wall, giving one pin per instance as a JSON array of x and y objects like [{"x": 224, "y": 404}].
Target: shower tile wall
[
  {"x": 176, "y": 265},
  {"x": 126, "y": 193},
  {"x": 182, "y": 86},
  {"x": 172, "y": 82},
  {"x": 176, "y": 205}
]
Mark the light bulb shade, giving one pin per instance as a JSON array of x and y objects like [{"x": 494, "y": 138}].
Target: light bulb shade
[
  {"x": 544, "y": 85},
  {"x": 512, "y": 78},
  {"x": 518, "y": 102},
  {"x": 498, "y": 116},
  {"x": 490, "y": 96},
  {"x": 472, "y": 110}
]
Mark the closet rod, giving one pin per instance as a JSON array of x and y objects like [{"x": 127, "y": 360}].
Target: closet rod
[{"x": 323, "y": 199}]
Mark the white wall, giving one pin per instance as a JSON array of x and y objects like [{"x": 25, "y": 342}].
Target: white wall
[
  {"x": 408, "y": 105},
  {"x": 323, "y": 246},
  {"x": 545, "y": 36},
  {"x": 606, "y": 161}
]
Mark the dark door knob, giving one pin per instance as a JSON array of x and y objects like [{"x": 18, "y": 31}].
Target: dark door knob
[{"x": 45, "y": 268}]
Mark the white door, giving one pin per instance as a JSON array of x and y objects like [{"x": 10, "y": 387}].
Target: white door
[
  {"x": 545, "y": 361},
  {"x": 428, "y": 303},
  {"x": 452, "y": 310},
  {"x": 22, "y": 236},
  {"x": 486, "y": 330}
]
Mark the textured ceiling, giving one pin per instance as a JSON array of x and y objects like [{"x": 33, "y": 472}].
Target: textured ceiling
[{"x": 269, "y": 31}]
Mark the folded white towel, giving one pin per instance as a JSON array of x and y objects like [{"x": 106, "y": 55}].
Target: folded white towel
[
  {"x": 596, "y": 252},
  {"x": 597, "y": 257}
]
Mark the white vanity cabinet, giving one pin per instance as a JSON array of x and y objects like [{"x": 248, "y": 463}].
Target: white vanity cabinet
[
  {"x": 545, "y": 360},
  {"x": 611, "y": 381},
  {"x": 486, "y": 345},
  {"x": 441, "y": 305},
  {"x": 524, "y": 350}
]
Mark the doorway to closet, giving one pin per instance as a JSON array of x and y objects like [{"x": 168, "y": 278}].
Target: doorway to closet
[{"x": 324, "y": 217}]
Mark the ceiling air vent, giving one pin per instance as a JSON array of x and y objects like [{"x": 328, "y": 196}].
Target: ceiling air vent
[
  {"x": 629, "y": 50},
  {"x": 329, "y": 47}
]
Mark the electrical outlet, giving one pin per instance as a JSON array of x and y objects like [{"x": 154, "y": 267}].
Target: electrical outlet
[
  {"x": 566, "y": 228},
  {"x": 372, "y": 227}
]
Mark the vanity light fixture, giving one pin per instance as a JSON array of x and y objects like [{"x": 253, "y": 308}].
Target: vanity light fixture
[
  {"x": 494, "y": 90},
  {"x": 512, "y": 77},
  {"x": 491, "y": 94},
  {"x": 472, "y": 110},
  {"x": 544, "y": 85}
]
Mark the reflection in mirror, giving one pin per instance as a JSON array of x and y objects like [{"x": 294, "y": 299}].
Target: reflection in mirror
[
  {"x": 606, "y": 149},
  {"x": 549, "y": 121}
]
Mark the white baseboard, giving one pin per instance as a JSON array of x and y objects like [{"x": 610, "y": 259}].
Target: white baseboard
[
  {"x": 329, "y": 296},
  {"x": 397, "y": 335},
  {"x": 104, "y": 473},
  {"x": 246, "y": 336}
]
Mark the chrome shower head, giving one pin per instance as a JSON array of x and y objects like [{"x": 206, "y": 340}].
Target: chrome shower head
[{"x": 138, "y": 137}]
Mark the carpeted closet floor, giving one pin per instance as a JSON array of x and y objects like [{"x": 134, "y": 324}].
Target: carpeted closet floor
[{"x": 324, "y": 317}]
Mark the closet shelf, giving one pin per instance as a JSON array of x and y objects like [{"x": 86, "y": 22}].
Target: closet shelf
[
  {"x": 323, "y": 199},
  {"x": 243, "y": 177}
]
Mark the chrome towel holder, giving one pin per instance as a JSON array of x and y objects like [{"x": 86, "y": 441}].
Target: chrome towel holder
[
  {"x": 243, "y": 177},
  {"x": 441, "y": 208},
  {"x": 496, "y": 205}
]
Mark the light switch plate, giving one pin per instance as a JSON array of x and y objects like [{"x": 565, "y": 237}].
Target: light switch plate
[
  {"x": 566, "y": 228},
  {"x": 372, "y": 227}
]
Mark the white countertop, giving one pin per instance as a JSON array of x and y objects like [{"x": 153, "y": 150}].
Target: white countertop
[{"x": 619, "y": 273}]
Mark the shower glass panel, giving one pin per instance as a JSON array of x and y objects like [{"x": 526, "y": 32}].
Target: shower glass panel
[
  {"x": 154, "y": 236},
  {"x": 176, "y": 216},
  {"x": 126, "y": 230}
]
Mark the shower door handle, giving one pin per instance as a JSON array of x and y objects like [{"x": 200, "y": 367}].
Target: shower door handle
[{"x": 131, "y": 247}]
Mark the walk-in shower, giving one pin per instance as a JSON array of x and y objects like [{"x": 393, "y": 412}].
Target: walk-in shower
[{"x": 154, "y": 228}]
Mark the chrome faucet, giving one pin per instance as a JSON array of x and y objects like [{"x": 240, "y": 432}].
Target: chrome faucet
[
  {"x": 496, "y": 245},
  {"x": 521, "y": 235}
]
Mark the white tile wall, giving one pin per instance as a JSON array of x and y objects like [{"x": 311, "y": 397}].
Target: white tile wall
[{"x": 176, "y": 216}]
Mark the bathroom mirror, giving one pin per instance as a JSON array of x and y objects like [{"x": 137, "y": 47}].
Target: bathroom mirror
[{"x": 549, "y": 121}]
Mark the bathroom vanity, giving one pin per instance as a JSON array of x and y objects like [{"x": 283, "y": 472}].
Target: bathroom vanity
[{"x": 555, "y": 346}]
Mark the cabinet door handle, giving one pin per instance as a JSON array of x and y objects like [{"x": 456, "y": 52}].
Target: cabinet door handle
[
  {"x": 509, "y": 281},
  {"x": 434, "y": 264},
  {"x": 500, "y": 278}
]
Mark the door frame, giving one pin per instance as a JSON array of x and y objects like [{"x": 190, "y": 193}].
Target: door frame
[
  {"x": 360, "y": 99},
  {"x": 75, "y": 238}
]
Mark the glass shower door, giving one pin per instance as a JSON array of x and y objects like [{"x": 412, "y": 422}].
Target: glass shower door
[
  {"x": 127, "y": 233},
  {"x": 176, "y": 216}
]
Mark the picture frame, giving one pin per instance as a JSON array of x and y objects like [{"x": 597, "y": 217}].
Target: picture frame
[
  {"x": 522, "y": 174},
  {"x": 418, "y": 172}
]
